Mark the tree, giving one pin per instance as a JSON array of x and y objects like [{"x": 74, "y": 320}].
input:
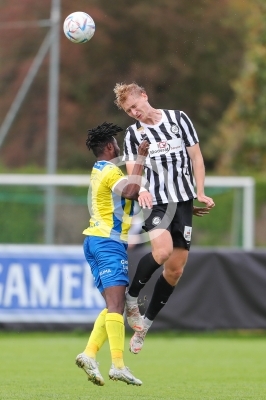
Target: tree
[
  {"x": 242, "y": 129},
  {"x": 184, "y": 53}
]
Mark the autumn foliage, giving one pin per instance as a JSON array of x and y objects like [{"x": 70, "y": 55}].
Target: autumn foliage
[{"x": 187, "y": 54}]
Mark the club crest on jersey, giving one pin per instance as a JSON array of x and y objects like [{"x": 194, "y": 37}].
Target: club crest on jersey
[
  {"x": 156, "y": 221},
  {"x": 174, "y": 129}
]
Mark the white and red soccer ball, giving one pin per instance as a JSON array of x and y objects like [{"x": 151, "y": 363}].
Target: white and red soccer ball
[{"x": 79, "y": 27}]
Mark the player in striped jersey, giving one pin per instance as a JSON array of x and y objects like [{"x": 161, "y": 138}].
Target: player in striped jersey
[
  {"x": 105, "y": 249},
  {"x": 174, "y": 157}
]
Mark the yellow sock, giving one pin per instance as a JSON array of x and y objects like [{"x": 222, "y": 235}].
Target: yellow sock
[
  {"x": 115, "y": 328},
  {"x": 98, "y": 335}
]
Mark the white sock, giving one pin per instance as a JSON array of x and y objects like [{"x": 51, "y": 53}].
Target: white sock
[
  {"x": 147, "y": 322},
  {"x": 130, "y": 299}
]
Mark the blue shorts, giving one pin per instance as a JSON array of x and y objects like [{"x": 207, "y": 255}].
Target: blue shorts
[{"x": 108, "y": 261}]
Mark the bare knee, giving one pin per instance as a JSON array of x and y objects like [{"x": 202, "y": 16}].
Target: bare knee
[
  {"x": 174, "y": 275},
  {"x": 174, "y": 267},
  {"x": 179, "y": 273},
  {"x": 161, "y": 255}
]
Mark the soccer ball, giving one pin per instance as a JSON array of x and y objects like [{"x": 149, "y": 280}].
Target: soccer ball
[{"x": 79, "y": 27}]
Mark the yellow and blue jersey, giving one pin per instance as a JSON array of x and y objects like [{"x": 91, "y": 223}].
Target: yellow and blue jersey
[{"x": 111, "y": 214}]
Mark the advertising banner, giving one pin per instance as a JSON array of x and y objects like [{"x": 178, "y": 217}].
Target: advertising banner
[
  {"x": 46, "y": 284},
  {"x": 51, "y": 287}
]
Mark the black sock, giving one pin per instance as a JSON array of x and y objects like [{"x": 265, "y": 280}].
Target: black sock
[
  {"x": 162, "y": 292},
  {"x": 146, "y": 267}
]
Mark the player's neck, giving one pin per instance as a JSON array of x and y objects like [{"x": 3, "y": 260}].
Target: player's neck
[
  {"x": 152, "y": 117},
  {"x": 106, "y": 156},
  {"x": 112, "y": 158}
]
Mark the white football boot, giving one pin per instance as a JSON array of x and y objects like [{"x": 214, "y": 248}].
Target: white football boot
[
  {"x": 90, "y": 366},
  {"x": 123, "y": 375},
  {"x": 137, "y": 340}
]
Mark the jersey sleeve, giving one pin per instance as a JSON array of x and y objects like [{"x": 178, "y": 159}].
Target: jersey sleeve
[
  {"x": 189, "y": 133},
  {"x": 113, "y": 175},
  {"x": 130, "y": 146}
]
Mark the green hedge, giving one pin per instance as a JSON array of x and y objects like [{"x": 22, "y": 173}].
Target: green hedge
[{"x": 22, "y": 214}]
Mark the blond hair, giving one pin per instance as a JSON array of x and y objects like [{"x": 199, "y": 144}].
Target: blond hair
[{"x": 122, "y": 91}]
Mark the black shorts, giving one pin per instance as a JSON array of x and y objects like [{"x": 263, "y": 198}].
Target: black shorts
[{"x": 174, "y": 217}]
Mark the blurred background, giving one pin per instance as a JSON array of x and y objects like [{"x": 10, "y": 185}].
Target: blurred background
[{"x": 203, "y": 57}]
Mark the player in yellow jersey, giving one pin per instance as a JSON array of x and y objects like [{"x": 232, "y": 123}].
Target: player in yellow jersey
[{"x": 105, "y": 248}]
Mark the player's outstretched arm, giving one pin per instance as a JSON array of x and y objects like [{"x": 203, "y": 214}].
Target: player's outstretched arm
[
  {"x": 130, "y": 186},
  {"x": 195, "y": 155}
]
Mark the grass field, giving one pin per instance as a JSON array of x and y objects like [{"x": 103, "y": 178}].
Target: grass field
[{"x": 172, "y": 366}]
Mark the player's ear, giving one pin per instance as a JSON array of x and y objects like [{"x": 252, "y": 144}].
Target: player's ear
[
  {"x": 144, "y": 95},
  {"x": 110, "y": 146}
]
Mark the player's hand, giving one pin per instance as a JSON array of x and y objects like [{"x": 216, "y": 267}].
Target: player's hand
[
  {"x": 143, "y": 148},
  {"x": 145, "y": 200},
  {"x": 207, "y": 200},
  {"x": 201, "y": 211}
]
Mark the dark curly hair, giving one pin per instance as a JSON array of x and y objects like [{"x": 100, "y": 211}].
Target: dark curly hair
[{"x": 101, "y": 135}]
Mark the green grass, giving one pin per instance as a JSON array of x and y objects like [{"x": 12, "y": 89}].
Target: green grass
[{"x": 171, "y": 366}]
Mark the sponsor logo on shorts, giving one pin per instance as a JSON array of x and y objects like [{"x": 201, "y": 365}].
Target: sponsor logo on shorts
[
  {"x": 105, "y": 271},
  {"x": 156, "y": 221},
  {"x": 124, "y": 266},
  {"x": 187, "y": 233}
]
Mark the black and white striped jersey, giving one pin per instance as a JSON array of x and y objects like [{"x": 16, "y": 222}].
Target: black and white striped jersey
[{"x": 168, "y": 169}]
